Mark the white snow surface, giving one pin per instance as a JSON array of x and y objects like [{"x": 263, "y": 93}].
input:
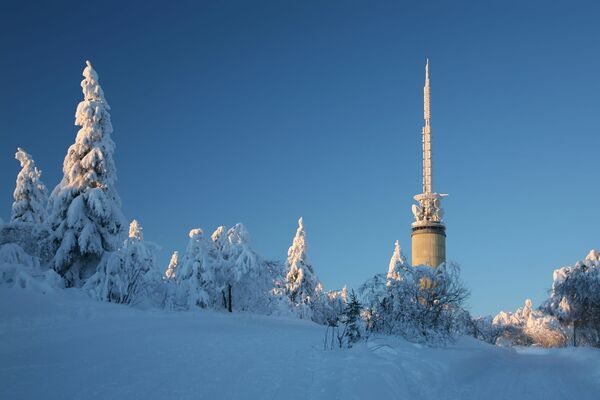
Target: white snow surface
[{"x": 64, "y": 345}]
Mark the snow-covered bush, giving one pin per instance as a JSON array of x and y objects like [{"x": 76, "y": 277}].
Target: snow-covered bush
[
  {"x": 418, "y": 303},
  {"x": 373, "y": 293},
  {"x": 34, "y": 238},
  {"x": 21, "y": 270},
  {"x": 426, "y": 302},
  {"x": 30, "y": 195},
  {"x": 575, "y": 300},
  {"x": 484, "y": 329},
  {"x": 334, "y": 305},
  {"x": 545, "y": 330},
  {"x": 301, "y": 282},
  {"x": 85, "y": 212},
  {"x": 511, "y": 326},
  {"x": 127, "y": 275},
  {"x": 12, "y": 253},
  {"x": 325, "y": 308}
]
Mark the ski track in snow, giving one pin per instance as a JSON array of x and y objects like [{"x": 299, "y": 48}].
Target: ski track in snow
[{"x": 64, "y": 345}]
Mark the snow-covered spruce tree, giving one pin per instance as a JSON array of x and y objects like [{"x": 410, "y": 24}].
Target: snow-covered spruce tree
[
  {"x": 125, "y": 275},
  {"x": 27, "y": 227},
  {"x": 302, "y": 284},
  {"x": 30, "y": 195},
  {"x": 398, "y": 263},
  {"x": 85, "y": 206},
  {"x": 195, "y": 274},
  {"x": 245, "y": 280},
  {"x": 353, "y": 324},
  {"x": 172, "y": 267}
]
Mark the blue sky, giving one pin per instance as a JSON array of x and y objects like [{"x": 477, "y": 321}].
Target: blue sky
[{"x": 261, "y": 112}]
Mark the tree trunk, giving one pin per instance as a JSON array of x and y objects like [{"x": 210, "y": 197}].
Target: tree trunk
[
  {"x": 229, "y": 306},
  {"x": 574, "y": 334}
]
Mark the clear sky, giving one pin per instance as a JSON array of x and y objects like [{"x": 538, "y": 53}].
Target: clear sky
[{"x": 263, "y": 111}]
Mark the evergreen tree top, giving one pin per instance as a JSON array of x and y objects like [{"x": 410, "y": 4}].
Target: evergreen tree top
[
  {"x": 92, "y": 91},
  {"x": 297, "y": 251},
  {"x": 135, "y": 231},
  {"x": 238, "y": 234},
  {"x": 196, "y": 233},
  {"x": 397, "y": 262}
]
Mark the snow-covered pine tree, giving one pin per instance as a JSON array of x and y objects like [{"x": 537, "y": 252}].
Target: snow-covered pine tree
[
  {"x": 123, "y": 276},
  {"x": 171, "y": 269},
  {"x": 397, "y": 263},
  {"x": 85, "y": 206},
  {"x": 30, "y": 195},
  {"x": 302, "y": 284},
  {"x": 194, "y": 276}
]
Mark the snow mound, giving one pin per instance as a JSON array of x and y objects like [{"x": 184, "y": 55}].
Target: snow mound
[{"x": 12, "y": 253}]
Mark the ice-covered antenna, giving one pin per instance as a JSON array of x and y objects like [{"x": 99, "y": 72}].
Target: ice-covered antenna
[{"x": 427, "y": 134}]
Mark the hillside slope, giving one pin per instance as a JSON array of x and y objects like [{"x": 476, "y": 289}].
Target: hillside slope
[{"x": 62, "y": 345}]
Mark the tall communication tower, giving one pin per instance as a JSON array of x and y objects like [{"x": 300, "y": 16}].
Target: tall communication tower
[{"x": 428, "y": 230}]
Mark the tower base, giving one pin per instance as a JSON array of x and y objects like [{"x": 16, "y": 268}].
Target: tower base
[{"x": 428, "y": 243}]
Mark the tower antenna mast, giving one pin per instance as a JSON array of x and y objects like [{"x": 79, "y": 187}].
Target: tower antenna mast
[{"x": 427, "y": 133}]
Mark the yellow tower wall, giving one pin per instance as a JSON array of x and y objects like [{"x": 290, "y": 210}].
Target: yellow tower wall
[{"x": 429, "y": 246}]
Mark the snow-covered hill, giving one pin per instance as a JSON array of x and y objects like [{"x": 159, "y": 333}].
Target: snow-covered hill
[{"x": 63, "y": 345}]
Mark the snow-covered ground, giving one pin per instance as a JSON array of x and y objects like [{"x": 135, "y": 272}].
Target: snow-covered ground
[{"x": 63, "y": 345}]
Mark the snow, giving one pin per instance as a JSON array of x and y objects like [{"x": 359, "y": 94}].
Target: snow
[{"x": 64, "y": 345}]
